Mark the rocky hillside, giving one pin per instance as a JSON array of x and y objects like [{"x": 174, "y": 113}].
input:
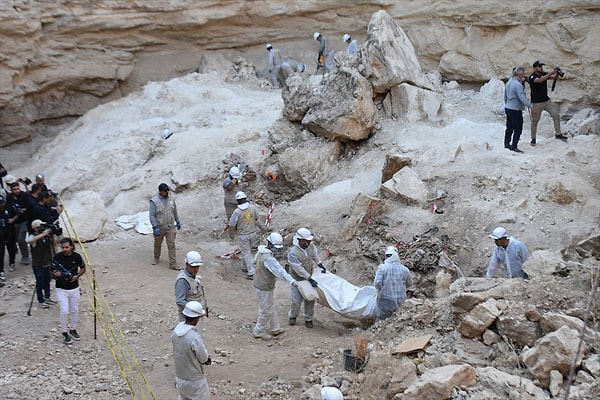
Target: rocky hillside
[{"x": 59, "y": 59}]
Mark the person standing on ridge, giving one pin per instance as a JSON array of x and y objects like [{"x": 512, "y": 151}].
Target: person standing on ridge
[
  {"x": 540, "y": 101},
  {"x": 514, "y": 102}
]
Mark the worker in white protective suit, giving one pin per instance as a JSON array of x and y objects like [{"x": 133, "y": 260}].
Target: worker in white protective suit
[
  {"x": 352, "y": 48},
  {"x": 244, "y": 221},
  {"x": 325, "y": 55},
  {"x": 291, "y": 66},
  {"x": 190, "y": 355},
  {"x": 268, "y": 270},
  {"x": 275, "y": 60},
  {"x": 302, "y": 258},
  {"x": 391, "y": 280}
]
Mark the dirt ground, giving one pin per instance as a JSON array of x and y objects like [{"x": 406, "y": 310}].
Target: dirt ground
[{"x": 141, "y": 296}]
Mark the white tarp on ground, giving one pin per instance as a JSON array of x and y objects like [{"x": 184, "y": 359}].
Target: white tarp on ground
[
  {"x": 341, "y": 296},
  {"x": 139, "y": 221}
]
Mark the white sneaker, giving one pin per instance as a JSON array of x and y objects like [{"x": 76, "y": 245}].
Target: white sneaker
[{"x": 2, "y": 277}]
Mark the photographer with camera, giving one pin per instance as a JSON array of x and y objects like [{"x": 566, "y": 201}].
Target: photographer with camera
[
  {"x": 41, "y": 242},
  {"x": 540, "y": 101},
  {"x": 67, "y": 267},
  {"x": 43, "y": 209}
]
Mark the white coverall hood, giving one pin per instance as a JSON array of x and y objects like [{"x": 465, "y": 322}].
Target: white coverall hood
[
  {"x": 182, "y": 328},
  {"x": 263, "y": 249},
  {"x": 393, "y": 258}
]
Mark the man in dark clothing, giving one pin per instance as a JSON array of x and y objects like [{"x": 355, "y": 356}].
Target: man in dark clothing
[
  {"x": 18, "y": 199},
  {"x": 41, "y": 258},
  {"x": 7, "y": 218},
  {"x": 540, "y": 100},
  {"x": 43, "y": 210},
  {"x": 67, "y": 267}
]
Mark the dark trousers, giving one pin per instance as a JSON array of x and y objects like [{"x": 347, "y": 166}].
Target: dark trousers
[
  {"x": 11, "y": 243},
  {"x": 42, "y": 282},
  {"x": 514, "y": 128}
]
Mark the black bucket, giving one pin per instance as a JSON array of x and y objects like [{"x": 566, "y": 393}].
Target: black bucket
[{"x": 353, "y": 363}]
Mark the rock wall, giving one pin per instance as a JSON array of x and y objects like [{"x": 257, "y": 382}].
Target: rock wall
[{"x": 59, "y": 59}]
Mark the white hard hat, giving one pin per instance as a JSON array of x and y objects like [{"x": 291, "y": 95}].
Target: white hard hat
[
  {"x": 316, "y": 35},
  {"x": 193, "y": 258},
  {"x": 235, "y": 172},
  {"x": 240, "y": 195},
  {"x": 193, "y": 309},
  {"x": 498, "y": 233},
  {"x": 331, "y": 393},
  {"x": 269, "y": 46},
  {"x": 304, "y": 233},
  {"x": 276, "y": 240},
  {"x": 391, "y": 250},
  {"x": 346, "y": 37}
]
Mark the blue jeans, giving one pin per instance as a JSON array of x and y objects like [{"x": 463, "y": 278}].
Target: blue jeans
[{"x": 42, "y": 282}]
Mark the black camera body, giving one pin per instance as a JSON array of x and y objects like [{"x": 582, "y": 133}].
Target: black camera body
[
  {"x": 55, "y": 228},
  {"x": 66, "y": 276},
  {"x": 559, "y": 72}
]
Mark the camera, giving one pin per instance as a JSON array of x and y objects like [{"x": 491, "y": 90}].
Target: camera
[
  {"x": 559, "y": 72},
  {"x": 55, "y": 228},
  {"x": 25, "y": 180},
  {"x": 66, "y": 275}
]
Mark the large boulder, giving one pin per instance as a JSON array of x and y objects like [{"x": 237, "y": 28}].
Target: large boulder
[
  {"x": 87, "y": 207},
  {"x": 412, "y": 103},
  {"x": 296, "y": 95},
  {"x": 389, "y": 56},
  {"x": 519, "y": 329},
  {"x": 437, "y": 383},
  {"x": 508, "y": 386},
  {"x": 406, "y": 185},
  {"x": 478, "y": 319},
  {"x": 344, "y": 110},
  {"x": 555, "y": 351}
]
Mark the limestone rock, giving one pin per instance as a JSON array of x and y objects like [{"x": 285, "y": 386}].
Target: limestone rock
[
  {"x": 406, "y": 185},
  {"x": 490, "y": 337},
  {"x": 502, "y": 384},
  {"x": 306, "y": 166},
  {"x": 556, "y": 382},
  {"x": 592, "y": 365},
  {"x": 88, "y": 206},
  {"x": 405, "y": 374},
  {"x": 552, "y": 321},
  {"x": 296, "y": 95},
  {"x": 393, "y": 164},
  {"x": 479, "y": 319},
  {"x": 437, "y": 383},
  {"x": 344, "y": 110},
  {"x": 555, "y": 351},
  {"x": 519, "y": 329},
  {"x": 412, "y": 103},
  {"x": 389, "y": 55}
]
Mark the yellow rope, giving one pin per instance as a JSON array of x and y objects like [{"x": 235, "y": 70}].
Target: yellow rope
[{"x": 127, "y": 363}]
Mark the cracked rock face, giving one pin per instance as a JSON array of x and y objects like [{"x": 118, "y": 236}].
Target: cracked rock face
[{"x": 61, "y": 59}]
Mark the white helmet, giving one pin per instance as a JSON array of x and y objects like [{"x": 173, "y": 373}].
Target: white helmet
[
  {"x": 193, "y": 258},
  {"x": 304, "y": 233},
  {"x": 391, "y": 250},
  {"x": 316, "y": 35},
  {"x": 346, "y": 38},
  {"x": 193, "y": 309},
  {"x": 240, "y": 195},
  {"x": 235, "y": 172},
  {"x": 269, "y": 46},
  {"x": 331, "y": 393},
  {"x": 276, "y": 240}
]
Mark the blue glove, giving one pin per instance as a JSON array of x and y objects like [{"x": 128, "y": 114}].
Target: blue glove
[
  {"x": 323, "y": 270},
  {"x": 156, "y": 231},
  {"x": 178, "y": 226},
  {"x": 313, "y": 283}
]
